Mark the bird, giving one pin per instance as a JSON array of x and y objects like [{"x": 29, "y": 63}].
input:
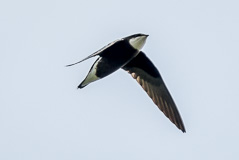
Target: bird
[{"x": 126, "y": 54}]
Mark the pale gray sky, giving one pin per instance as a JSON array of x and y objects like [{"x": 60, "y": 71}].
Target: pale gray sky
[{"x": 194, "y": 44}]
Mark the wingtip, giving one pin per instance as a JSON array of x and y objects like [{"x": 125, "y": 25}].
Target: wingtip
[
  {"x": 68, "y": 65},
  {"x": 183, "y": 130}
]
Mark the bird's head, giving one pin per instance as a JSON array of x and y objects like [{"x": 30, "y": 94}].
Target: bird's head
[{"x": 137, "y": 41}]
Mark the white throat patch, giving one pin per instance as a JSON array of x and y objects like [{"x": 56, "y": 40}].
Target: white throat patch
[{"x": 138, "y": 42}]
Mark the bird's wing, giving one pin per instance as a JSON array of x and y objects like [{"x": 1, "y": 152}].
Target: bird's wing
[
  {"x": 147, "y": 75},
  {"x": 96, "y": 53}
]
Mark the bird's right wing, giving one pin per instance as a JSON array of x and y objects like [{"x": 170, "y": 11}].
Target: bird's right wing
[
  {"x": 147, "y": 75},
  {"x": 96, "y": 53}
]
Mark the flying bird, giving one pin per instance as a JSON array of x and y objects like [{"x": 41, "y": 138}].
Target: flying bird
[{"x": 126, "y": 53}]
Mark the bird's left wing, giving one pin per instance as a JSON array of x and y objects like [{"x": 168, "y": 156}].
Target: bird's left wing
[{"x": 147, "y": 75}]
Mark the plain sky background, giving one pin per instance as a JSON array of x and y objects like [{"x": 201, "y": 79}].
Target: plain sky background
[{"x": 194, "y": 44}]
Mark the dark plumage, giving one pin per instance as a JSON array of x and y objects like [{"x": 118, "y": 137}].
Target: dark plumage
[{"x": 125, "y": 53}]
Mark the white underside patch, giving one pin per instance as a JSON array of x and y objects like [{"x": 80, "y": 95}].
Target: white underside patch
[{"x": 91, "y": 77}]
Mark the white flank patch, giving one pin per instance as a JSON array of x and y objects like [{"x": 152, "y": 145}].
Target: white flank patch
[
  {"x": 138, "y": 42},
  {"x": 91, "y": 77}
]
